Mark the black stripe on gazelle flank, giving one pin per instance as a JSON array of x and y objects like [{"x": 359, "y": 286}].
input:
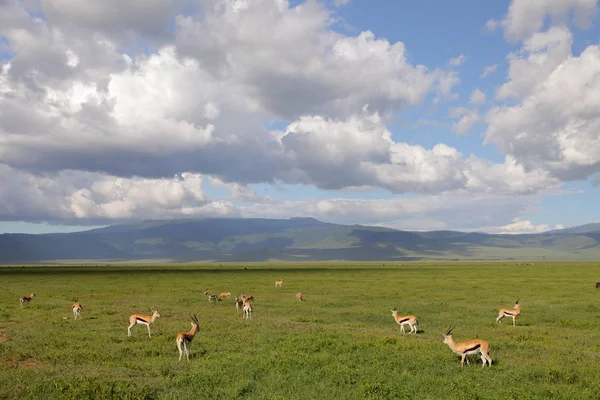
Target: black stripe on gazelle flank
[
  {"x": 404, "y": 320},
  {"x": 509, "y": 314},
  {"x": 140, "y": 319},
  {"x": 473, "y": 348}
]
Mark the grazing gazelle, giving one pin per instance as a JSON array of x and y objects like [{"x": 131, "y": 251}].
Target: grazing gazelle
[
  {"x": 299, "y": 296},
  {"x": 464, "y": 349},
  {"x": 225, "y": 294},
  {"x": 27, "y": 299},
  {"x": 279, "y": 283},
  {"x": 509, "y": 312},
  {"x": 76, "y": 307},
  {"x": 402, "y": 320},
  {"x": 142, "y": 319},
  {"x": 185, "y": 338}
]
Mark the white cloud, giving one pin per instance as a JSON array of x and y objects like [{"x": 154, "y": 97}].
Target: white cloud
[
  {"x": 466, "y": 122},
  {"x": 526, "y": 17},
  {"x": 555, "y": 126},
  {"x": 519, "y": 226},
  {"x": 458, "y": 60},
  {"x": 540, "y": 55},
  {"x": 488, "y": 70},
  {"x": 477, "y": 97}
]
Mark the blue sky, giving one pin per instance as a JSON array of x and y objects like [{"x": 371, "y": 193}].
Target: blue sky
[{"x": 349, "y": 112}]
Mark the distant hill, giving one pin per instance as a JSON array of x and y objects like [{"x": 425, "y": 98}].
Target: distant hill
[{"x": 295, "y": 239}]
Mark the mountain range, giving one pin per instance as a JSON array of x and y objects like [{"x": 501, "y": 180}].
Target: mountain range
[{"x": 295, "y": 239}]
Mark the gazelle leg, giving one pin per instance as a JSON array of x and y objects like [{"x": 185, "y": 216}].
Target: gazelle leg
[
  {"x": 187, "y": 351},
  {"x": 148, "y": 326},
  {"x": 179, "y": 348},
  {"x": 513, "y": 321},
  {"x": 129, "y": 330},
  {"x": 462, "y": 360}
]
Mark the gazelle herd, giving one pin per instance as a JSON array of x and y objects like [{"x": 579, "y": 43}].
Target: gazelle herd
[{"x": 244, "y": 303}]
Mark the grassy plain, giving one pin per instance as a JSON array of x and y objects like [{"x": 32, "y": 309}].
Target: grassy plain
[{"x": 341, "y": 343}]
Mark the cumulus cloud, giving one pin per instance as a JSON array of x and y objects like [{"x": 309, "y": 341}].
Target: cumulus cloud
[
  {"x": 556, "y": 125},
  {"x": 526, "y": 17},
  {"x": 112, "y": 115},
  {"x": 519, "y": 226},
  {"x": 458, "y": 60}
]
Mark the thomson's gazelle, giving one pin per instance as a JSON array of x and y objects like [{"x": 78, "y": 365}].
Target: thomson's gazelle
[
  {"x": 509, "y": 312},
  {"x": 402, "y": 320},
  {"x": 474, "y": 346},
  {"x": 27, "y": 299},
  {"x": 299, "y": 296},
  {"x": 142, "y": 319},
  {"x": 279, "y": 283},
  {"x": 185, "y": 338},
  {"x": 76, "y": 307}
]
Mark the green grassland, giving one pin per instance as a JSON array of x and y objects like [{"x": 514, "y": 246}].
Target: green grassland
[{"x": 341, "y": 343}]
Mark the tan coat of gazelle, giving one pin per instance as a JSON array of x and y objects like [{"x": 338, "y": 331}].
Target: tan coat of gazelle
[
  {"x": 299, "y": 296},
  {"x": 26, "y": 299},
  {"x": 509, "y": 312},
  {"x": 76, "y": 307},
  {"x": 184, "y": 339},
  {"x": 464, "y": 349},
  {"x": 402, "y": 320},
  {"x": 142, "y": 319},
  {"x": 279, "y": 283}
]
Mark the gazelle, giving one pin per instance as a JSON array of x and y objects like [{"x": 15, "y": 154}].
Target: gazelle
[
  {"x": 509, "y": 312},
  {"x": 76, "y": 307},
  {"x": 142, "y": 319},
  {"x": 213, "y": 297},
  {"x": 464, "y": 349},
  {"x": 279, "y": 283},
  {"x": 402, "y": 320},
  {"x": 185, "y": 338},
  {"x": 27, "y": 299},
  {"x": 247, "y": 307},
  {"x": 239, "y": 304},
  {"x": 225, "y": 294},
  {"x": 299, "y": 296}
]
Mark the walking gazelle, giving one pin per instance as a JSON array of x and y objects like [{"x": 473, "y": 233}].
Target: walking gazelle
[
  {"x": 463, "y": 349},
  {"x": 402, "y": 320},
  {"x": 509, "y": 312},
  {"x": 142, "y": 319},
  {"x": 27, "y": 299},
  {"x": 76, "y": 307},
  {"x": 185, "y": 338}
]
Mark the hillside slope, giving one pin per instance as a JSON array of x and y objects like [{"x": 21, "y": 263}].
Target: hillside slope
[{"x": 301, "y": 239}]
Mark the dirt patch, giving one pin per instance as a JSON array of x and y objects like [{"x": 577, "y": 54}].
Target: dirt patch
[
  {"x": 3, "y": 338},
  {"x": 26, "y": 364}
]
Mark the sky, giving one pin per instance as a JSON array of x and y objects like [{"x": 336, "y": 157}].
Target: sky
[{"x": 429, "y": 115}]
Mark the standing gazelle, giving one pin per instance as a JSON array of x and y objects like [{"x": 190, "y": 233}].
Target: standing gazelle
[
  {"x": 76, "y": 307},
  {"x": 509, "y": 312},
  {"x": 142, "y": 319},
  {"x": 279, "y": 283},
  {"x": 402, "y": 320},
  {"x": 464, "y": 349},
  {"x": 27, "y": 299},
  {"x": 185, "y": 338},
  {"x": 247, "y": 307}
]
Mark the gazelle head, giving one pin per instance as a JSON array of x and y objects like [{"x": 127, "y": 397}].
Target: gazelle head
[
  {"x": 194, "y": 320},
  {"x": 395, "y": 309},
  {"x": 447, "y": 335},
  {"x": 155, "y": 312}
]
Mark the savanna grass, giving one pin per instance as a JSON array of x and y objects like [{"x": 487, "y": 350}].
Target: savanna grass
[{"x": 341, "y": 343}]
